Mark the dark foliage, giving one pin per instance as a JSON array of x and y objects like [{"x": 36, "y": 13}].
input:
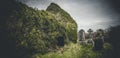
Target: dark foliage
[{"x": 114, "y": 40}]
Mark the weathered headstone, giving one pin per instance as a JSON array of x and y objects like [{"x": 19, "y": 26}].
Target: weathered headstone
[
  {"x": 81, "y": 35},
  {"x": 99, "y": 40}
]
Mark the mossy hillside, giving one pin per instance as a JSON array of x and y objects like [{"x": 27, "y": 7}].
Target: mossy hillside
[
  {"x": 65, "y": 20},
  {"x": 29, "y": 31},
  {"x": 35, "y": 27}
]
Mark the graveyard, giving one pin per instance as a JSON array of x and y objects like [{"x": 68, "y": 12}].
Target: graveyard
[
  {"x": 89, "y": 44},
  {"x": 28, "y": 32},
  {"x": 95, "y": 39}
]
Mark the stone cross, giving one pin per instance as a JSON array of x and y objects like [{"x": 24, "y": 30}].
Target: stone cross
[{"x": 90, "y": 33}]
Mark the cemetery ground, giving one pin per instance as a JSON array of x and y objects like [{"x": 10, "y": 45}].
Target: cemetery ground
[{"x": 74, "y": 50}]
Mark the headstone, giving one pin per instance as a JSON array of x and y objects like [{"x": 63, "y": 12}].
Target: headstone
[{"x": 81, "y": 35}]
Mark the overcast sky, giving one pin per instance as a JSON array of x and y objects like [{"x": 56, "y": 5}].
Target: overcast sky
[{"x": 92, "y": 14}]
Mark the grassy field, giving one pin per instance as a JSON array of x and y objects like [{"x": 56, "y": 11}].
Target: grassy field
[{"x": 71, "y": 51}]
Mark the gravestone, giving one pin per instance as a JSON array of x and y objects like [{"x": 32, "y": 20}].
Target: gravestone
[{"x": 81, "y": 35}]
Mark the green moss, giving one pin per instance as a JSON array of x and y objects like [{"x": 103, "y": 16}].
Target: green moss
[
  {"x": 33, "y": 31},
  {"x": 65, "y": 20}
]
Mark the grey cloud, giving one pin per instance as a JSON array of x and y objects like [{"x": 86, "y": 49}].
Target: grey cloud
[{"x": 91, "y": 13}]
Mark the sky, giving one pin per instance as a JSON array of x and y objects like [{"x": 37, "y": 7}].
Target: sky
[{"x": 94, "y": 14}]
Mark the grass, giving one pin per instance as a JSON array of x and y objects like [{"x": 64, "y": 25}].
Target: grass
[{"x": 71, "y": 51}]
